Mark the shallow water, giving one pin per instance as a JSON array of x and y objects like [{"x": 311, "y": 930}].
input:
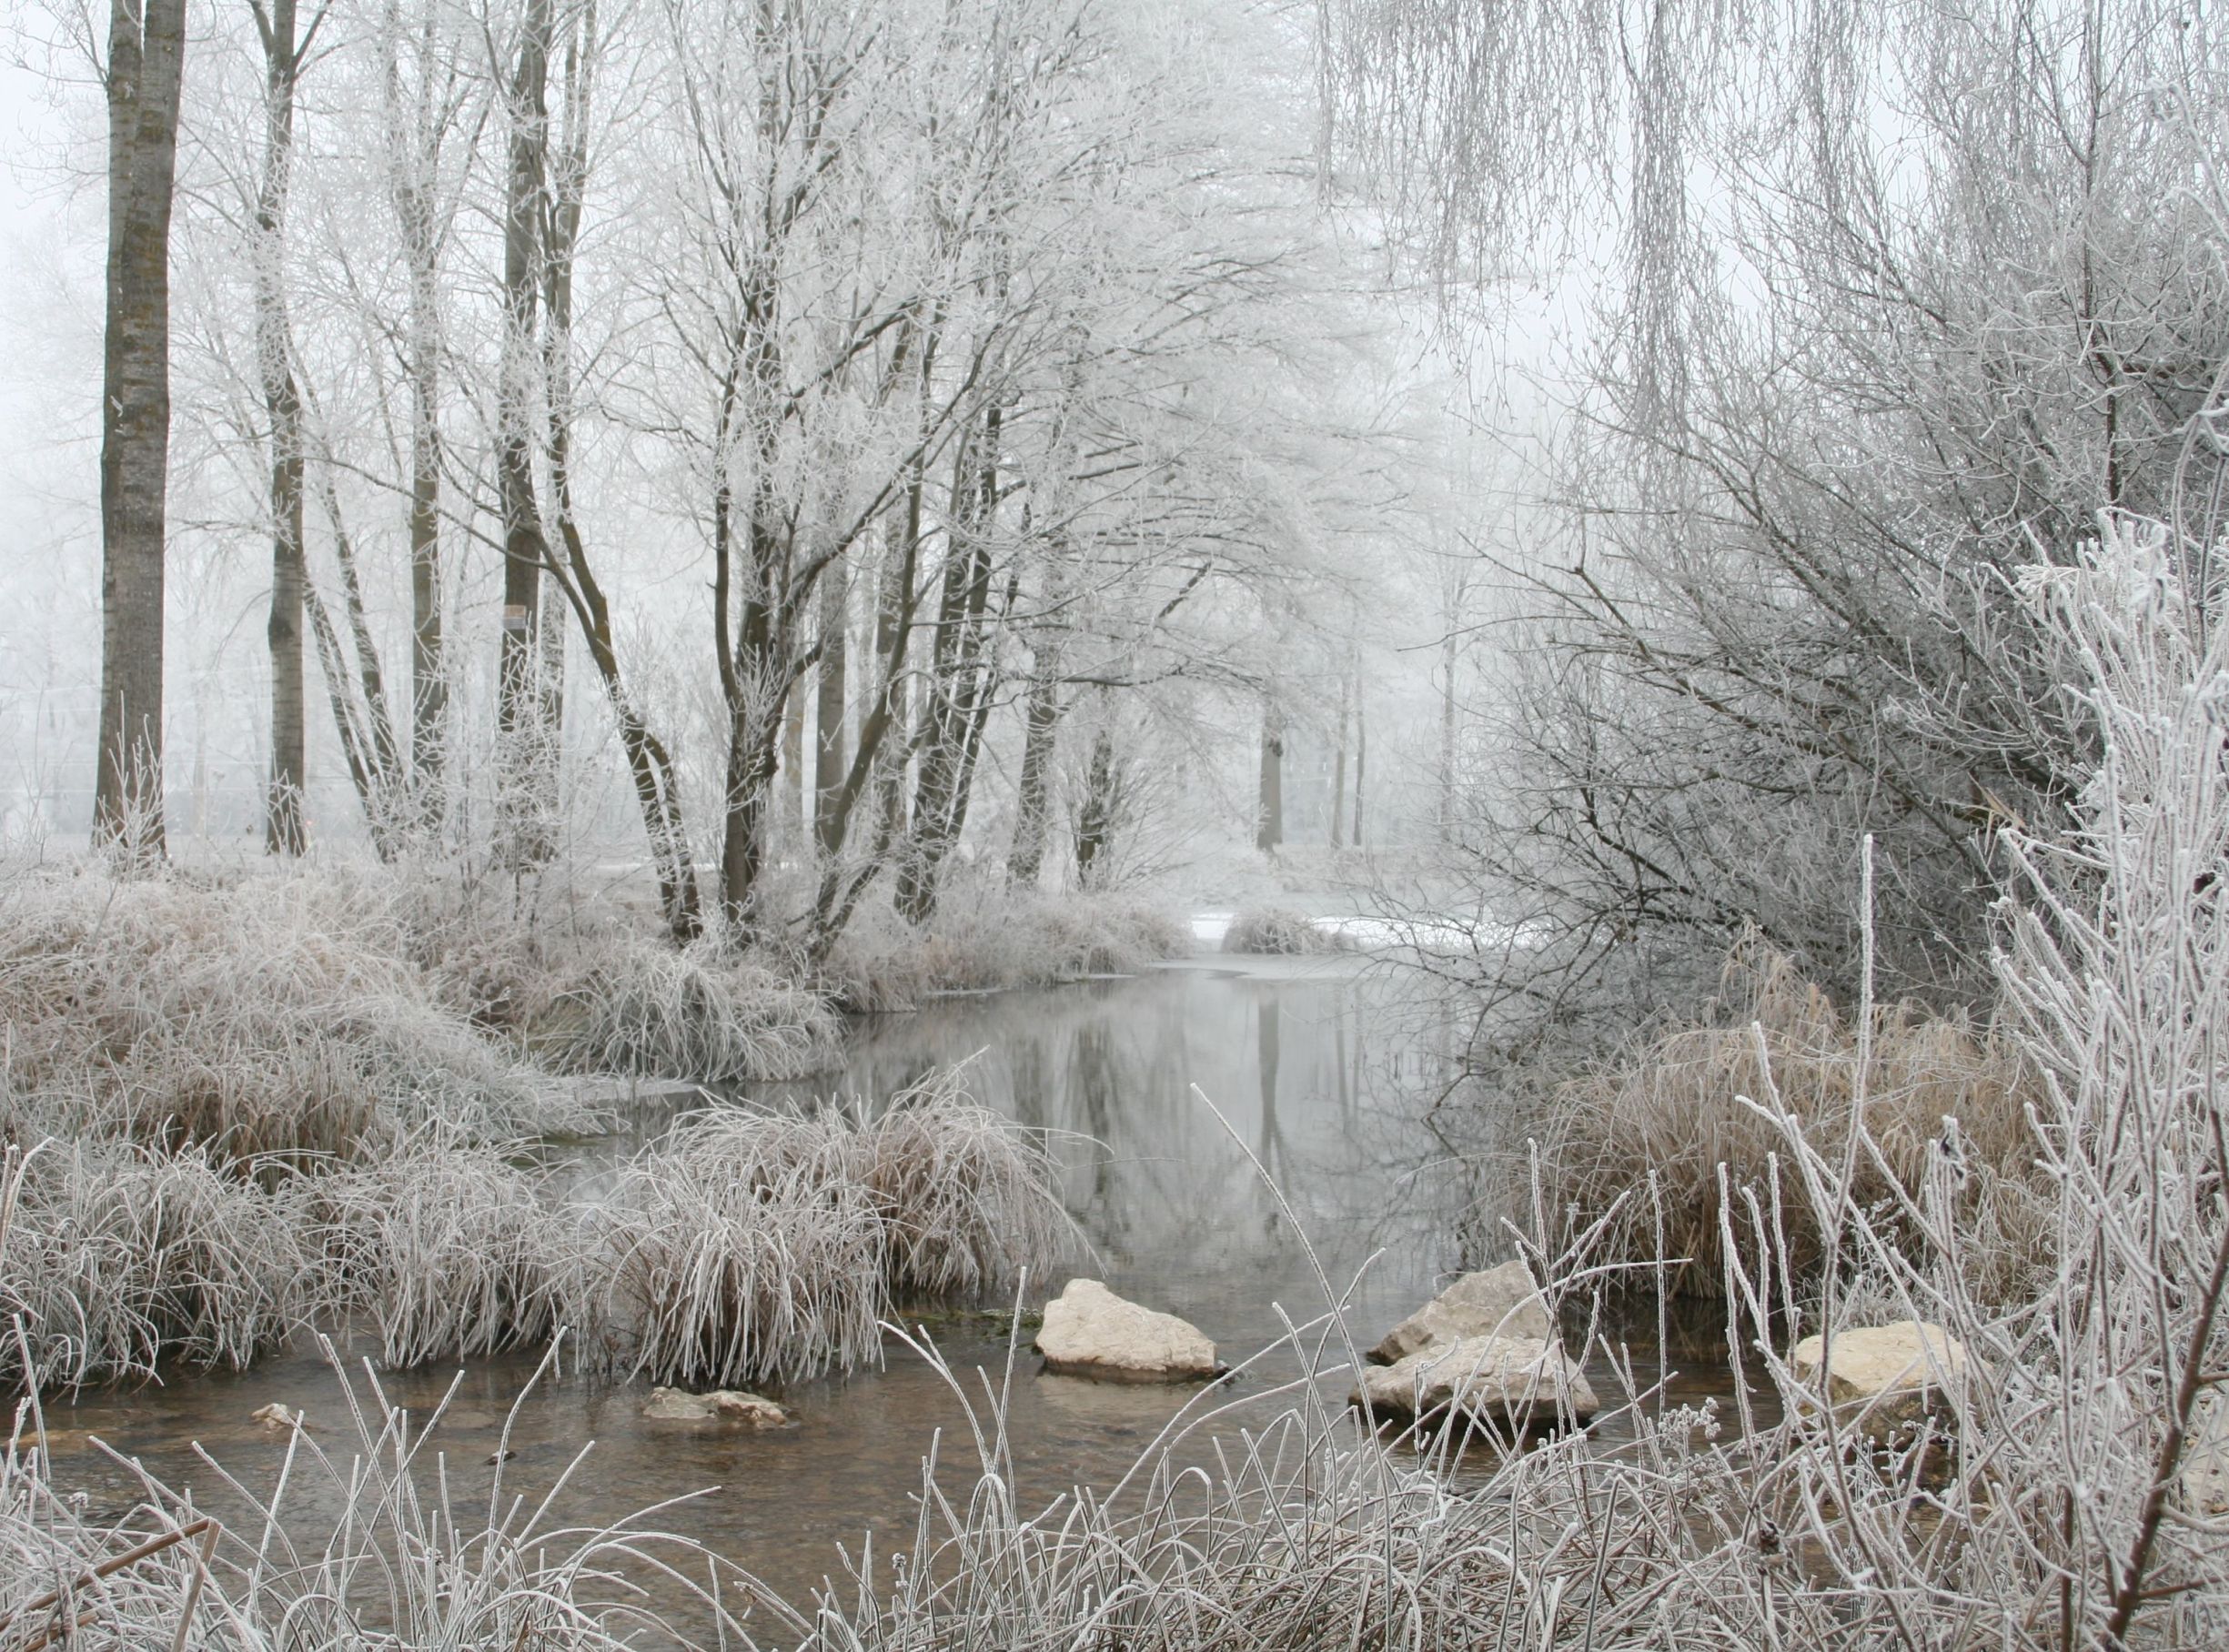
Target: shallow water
[{"x": 1171, "y": 1089}]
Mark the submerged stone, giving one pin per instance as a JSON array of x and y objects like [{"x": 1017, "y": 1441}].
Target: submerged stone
[
  {"x": 1881, "y": 1377},
  {"x": 720, "y": 1405},
  {"x": 1497, "y": 1302},
  {"x": 1520, "y": 1381},
  {"x": 1089, "y": 1331}
]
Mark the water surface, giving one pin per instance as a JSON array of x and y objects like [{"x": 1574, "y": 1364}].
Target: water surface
[{"x": 1209, "y": 1118}]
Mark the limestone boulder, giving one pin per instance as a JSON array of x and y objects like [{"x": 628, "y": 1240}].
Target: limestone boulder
[
  {"x": 1883, "y": 1378},
  {"x": 1516, "y": 1380},
  {"x": 720, "y": 1405},
  {"x": 1088, "y": 1331},
  {"x": 1498, "y": 1302}
]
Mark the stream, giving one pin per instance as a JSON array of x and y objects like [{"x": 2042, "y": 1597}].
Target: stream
[{"x": 1165, "y": 1089}]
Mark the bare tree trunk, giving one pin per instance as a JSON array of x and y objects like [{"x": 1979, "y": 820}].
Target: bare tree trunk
[
  {"x": 1338, "y": 769},
  {"x": 1269, "y": 808},
  {"x": 796, "y": 796},
  {"x": 521, "y": 741},
  {"x": 1095, "y": 830},
  {"x": 874, "y": 763},
  {"x": 828, "y": 748},
  {"x": 146, "y": 56},
  {"x": 283, "y": 830},
  {"x": 650, "y": 764},
  {"x": 384, "y": 804},
  {"x": 413, "y": 143},
  {"x": 1040, "y": 737},
  {"x": 957, "y": 687},
  {"x": 1447, "y": 737},
  {"x": 1362, "y": 752},
  {"x": 355, "y": 746}
]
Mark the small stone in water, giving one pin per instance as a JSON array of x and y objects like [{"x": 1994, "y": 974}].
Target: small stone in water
[
  {"x": 721, "y": 1405},
  {"x": 277, "y": 1416}
]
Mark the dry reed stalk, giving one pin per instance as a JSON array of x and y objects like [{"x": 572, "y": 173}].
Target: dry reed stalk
[{"x": 1638, "y": 1144}]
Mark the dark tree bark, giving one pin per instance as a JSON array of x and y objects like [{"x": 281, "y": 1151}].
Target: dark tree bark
[
  {"x": 414, "y": 139},
  {"x": 1095, "y": 829},
  {"x": 525, "y": 760},
  {"x": 875, "y": 764},
  {"x": 283, "y": 830},
  {"x": 573, "y": 575},
  {"x": 147, "y": 56},
  {"x": 828, "y": 749},
  {"x": 959, "y": 688},
  {"x": 1034, "y": 788},
  {"x": 1269, "y": 808},
  {"x": 754, "y": 647}
]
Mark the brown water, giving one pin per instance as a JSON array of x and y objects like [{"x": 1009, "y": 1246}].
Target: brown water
[{"x": 1321, "y": 1072}]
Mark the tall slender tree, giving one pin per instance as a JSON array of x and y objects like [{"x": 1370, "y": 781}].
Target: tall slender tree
[
  {"x": 283, "y": 56},
  {"x": 144, "y": 74},
  {"x": 525, "y": 753}
]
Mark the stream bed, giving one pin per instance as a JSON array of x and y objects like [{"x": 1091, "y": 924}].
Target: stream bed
[{"x": 1166, "y": 1091}]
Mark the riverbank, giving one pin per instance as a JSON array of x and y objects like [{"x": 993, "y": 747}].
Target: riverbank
[
  {"x": 241, "y": 1107},
  {"x": 1315, "y": 1073}
]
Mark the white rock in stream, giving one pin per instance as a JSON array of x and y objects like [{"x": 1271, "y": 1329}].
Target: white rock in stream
[
  {"x": 1517, "y": 1380},
  {"x": 720, "y": 1405},
  {"x": 1883, "y": 1377},
  {"x": 1499, "y": 1302},
  {"x": 277, "y": 1416},
  {"x": 1088, "y": 1331}
]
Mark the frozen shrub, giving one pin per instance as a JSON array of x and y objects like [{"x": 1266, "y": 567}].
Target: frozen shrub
[
  {"x": 1277, "y": 931},
  {"x": 728, "y": 1253},
  {"x": 116, "y": 1256},
  {"x": 1638, "y": 1144},
  {"x": 745, "y": 1246},
  {"x": 644, "y": 1007},
  {"x": 450, "y": 1248},
  {"x": 1003, "y": 939},
  {"x": 968, "y": 1198},
  {"x": 275, "y": 1016}
]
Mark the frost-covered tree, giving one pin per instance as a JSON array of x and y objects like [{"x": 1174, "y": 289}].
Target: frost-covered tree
[{"x": 1947, "y": 297}]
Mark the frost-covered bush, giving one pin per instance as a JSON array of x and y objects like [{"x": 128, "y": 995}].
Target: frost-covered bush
[
  {"x": 1638, "y": 1144},
  {"x": 1002, "y": 939},
  {"x": 744, "y": 1245},
  {"x": 449, "y": 1248},
  {"x": 641, "y": 1006},
  {"x": 1278, "y": 932},
  {"x": 116, "y": 1256},
  {"x": 736, "y": 1250},
  {"x": 967, "y": 1199},
  {"x": 276, "y": 1014}
]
